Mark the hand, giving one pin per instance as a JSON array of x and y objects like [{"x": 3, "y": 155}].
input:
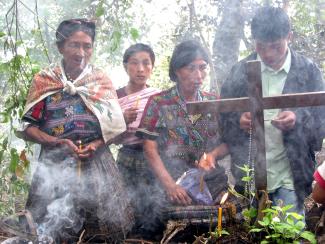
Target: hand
[
  {"x": 68, "y": 143},
  {"x": 89, "y": 149},
  {"x": 177, "y": 194},
  {"x": 285, "y": 120},
  {"x": 207, "y": 162},
  {"x": 130, "y": 115},
  {"x": 245, "y": 121}
]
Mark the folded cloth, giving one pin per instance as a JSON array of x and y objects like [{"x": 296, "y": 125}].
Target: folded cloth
[{"x": 193, "y": 182}]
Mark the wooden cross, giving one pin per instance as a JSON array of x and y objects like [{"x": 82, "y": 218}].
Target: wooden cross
[{"x": 256, "y": 104}]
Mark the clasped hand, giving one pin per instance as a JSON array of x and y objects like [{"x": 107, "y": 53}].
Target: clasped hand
[
  {"x": 81, "y": 152},
  {"x": 285, "y": 120}
]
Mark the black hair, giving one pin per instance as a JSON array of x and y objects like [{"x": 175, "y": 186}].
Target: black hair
[
  {"x": 270, "y": 24},
  {"x": 68, "y": 27},
  {"x": 138, "y": 47},
  {"x": 183, "y": 54}
]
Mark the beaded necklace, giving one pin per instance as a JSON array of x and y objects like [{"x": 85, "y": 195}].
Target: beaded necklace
[{"x": 250, "y": 186}]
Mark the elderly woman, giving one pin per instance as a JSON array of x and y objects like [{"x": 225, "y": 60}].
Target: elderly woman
[
  {"x": 138, "y": 62},
  {"x": 73, "y": 112},
  {"x": 175, "y": 141}
]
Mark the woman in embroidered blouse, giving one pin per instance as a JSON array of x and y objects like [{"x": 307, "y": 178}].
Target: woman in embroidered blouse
[
  {"x": 173, "y": 140},
  {"x": 138, "y": 62},
  {"x": 73, "y": 112}
]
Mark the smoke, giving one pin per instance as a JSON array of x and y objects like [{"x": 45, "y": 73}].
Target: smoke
[
  {"x": 60, "y": 214},
  {"x": 57, "y": 189}
]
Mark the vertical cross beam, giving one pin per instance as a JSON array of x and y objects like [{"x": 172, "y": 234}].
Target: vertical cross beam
[{"x": 255, "y": 93}]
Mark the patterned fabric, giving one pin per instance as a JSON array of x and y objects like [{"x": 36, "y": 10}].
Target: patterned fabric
[
  {"x": 138, "y": 100},
  {"x": 65, "y": 116},
  {"x": 94, "y": 88},
  {"x": 181, "y": 138},
  {"x": 133, "y": 166},
  {"x": 139, "y": 183}
]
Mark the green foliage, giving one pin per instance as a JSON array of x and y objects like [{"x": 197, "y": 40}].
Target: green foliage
[
  {"x": 281, "y": 226},
  {"x": 278, "y": 225}
]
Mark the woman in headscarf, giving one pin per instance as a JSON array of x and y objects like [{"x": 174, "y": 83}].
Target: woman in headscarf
[
  {"x": 138, "y": 62},
  {"x": 174, "y": 140},
  {"x": 73, "y": 112}
]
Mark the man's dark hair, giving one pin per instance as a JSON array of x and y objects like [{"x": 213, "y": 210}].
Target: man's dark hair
[
  {"x": 70, "y": 26},
  {"x": 138, "y": 47},
  {"x": 183, "y": 54},
  {"x": 270, "y": 24}
]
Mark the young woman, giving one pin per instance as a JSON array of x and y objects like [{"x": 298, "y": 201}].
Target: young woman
[{"x": 138, "y": 61}]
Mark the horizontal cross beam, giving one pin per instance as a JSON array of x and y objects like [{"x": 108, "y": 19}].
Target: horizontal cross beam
[{"x": 243, "y": 104}]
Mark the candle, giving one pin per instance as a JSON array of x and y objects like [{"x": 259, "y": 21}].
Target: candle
[
  {"x": 219, "y": 220},
  {"x": 137, "y": 101},
  {"x": 223, "y": 199},
  {"x": 79, "y": 142}
]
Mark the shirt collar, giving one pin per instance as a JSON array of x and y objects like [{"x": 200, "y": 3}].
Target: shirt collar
[{"x": 286, "y": 65}]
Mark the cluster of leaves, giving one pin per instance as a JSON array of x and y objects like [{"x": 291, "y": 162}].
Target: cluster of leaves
[
  {"x": 13, "y": 162},
  {"x": 281, "y": 226},
  {"x": 278, "y": 224}
]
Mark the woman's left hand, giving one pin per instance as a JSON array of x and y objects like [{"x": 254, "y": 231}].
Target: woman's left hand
[{"x": 89, "y": 149}]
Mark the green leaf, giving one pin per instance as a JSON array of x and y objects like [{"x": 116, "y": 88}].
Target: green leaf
[
  {"x": 14, "y": 160},
  {"x": 309, "y": 236},
  {"x": 270, "y": 211},
  {"x": 300, "y": 225},
  {"x": 2, "y": 34},
  {"x": 134, "y": 34},
  {"x": 255, "y": 230},
  {"x": 246, "y": 179},
  {"x": 100, "y": 10},
  {"x": 5, "y": 143},
  {"x": 250, "y": 213},
  {"x": 276, "y": 235},
  {"x": 287, "y": 207},
  {"x": 1, "y": 156},
  {"x": 290, "y": 221},
  {"x": 224, "y": 232},
  {"x": 296, "y": 215},
  {"x": 265, "y": 222}
]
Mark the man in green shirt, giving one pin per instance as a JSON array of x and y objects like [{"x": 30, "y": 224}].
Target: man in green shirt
[{"x": 291, "y": 135}]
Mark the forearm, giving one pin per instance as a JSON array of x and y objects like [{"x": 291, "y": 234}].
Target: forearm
[
  {"x": 34, "y": 134},
  {"x": 220, "y": 151},
  {"x": 156, "y": 164}
]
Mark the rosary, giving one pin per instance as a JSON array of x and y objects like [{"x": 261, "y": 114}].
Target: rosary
[{"x": 250, "y": 186}]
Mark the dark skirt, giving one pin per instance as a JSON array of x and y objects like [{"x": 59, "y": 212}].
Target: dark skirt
[
  {"x": 140, "y": 185},
  {"x": 68, "y": 196}
]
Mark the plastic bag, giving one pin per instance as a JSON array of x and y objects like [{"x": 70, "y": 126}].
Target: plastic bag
[{"x": 193, "y": 182}]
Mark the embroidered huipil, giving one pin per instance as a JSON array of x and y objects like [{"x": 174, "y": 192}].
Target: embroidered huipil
[
  {"x": 65, "y": 116},
  {"x": 181, "y": 138}
]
